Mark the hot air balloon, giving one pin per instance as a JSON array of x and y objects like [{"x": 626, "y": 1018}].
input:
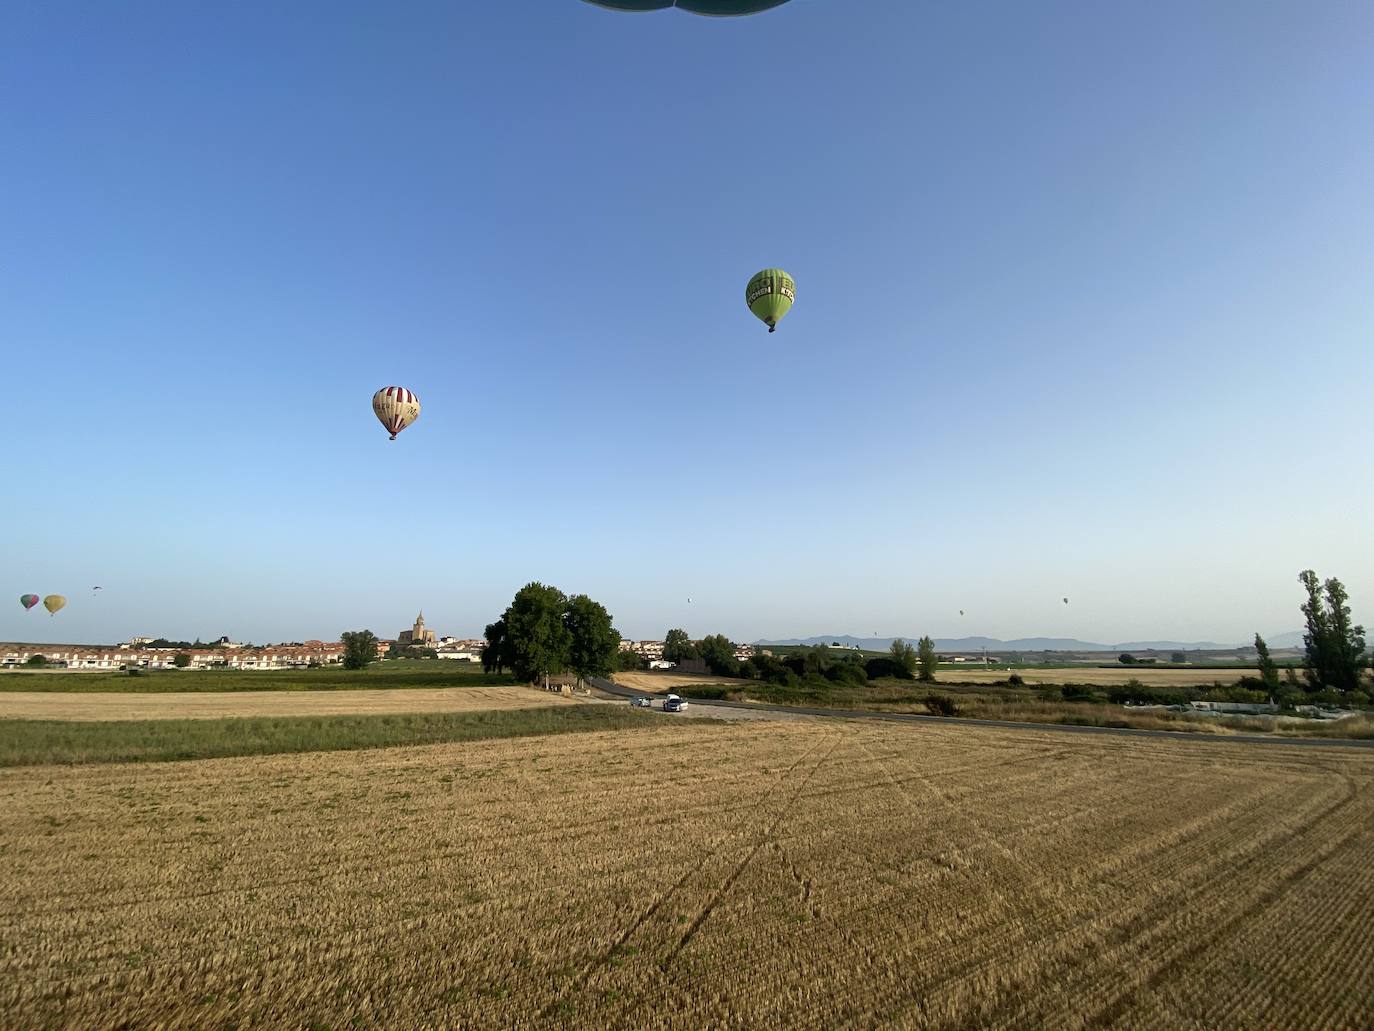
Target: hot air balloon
[
  {"x": 53, "y": 602},
  {"x": 396, "y": 408},
  {"x": 961, "y": 612},
  {"x": 720, "y": 8},
  {"x": 770, "y": 295},
  {"x": 28, "y": 600},
  {"x": 1066, "y": 601}
]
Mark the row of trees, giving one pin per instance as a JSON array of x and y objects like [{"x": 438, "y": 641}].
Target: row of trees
[
  {"x": 717, "y": 651},
  {"x": 544, "y": 632}
]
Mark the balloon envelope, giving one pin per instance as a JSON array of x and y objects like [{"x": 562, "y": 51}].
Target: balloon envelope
[
  {"x": 396, "y": 408},
  {"x": 770, "y": 295},
  {"x": 1066, "y": 601},
  {"x": 717, "y": 7},
  {"x": 28, "y": 600},
  {"x": 53, "y": 602}
]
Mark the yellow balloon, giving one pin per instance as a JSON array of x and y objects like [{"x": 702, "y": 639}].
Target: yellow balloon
[
  {"x": 53, "y": 602},
  {"x": 396, "y": 408}
]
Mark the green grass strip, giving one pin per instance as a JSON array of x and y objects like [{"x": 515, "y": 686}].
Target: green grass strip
[{"x": 39, "y": 742}]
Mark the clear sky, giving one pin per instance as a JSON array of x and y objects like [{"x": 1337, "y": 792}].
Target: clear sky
[{"x": 1084, "y": 308}]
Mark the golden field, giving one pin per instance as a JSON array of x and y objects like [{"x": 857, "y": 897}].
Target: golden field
[
  {"x": 791, "y": 875},
  {"x": 173, "y": 705}
]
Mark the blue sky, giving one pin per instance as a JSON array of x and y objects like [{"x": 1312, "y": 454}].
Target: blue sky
[{"x": 1078, "y": 287}]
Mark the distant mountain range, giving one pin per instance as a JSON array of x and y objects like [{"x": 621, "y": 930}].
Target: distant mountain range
[{"x": 1292, "y": 639}]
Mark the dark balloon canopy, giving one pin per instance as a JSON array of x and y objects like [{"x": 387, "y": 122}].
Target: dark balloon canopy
[{"x": 719, "y": 8}]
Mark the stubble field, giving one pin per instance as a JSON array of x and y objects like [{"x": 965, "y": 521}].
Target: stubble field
[{"x": 749, "y": 875}]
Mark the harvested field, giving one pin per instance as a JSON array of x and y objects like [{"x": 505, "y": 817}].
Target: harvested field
[
  {"x": 796, "y": 875},
  {"x": 42, "y": 705},
  {"x": 660, "y": 682},
  {"x": 1099, "y": 676}
]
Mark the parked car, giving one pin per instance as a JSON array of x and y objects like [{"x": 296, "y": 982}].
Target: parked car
[
  {"x": 642, "y": 702},
  {"x": 674, "y": 704}
]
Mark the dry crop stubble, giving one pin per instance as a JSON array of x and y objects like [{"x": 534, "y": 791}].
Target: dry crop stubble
[{"x": 799, "y": 875}]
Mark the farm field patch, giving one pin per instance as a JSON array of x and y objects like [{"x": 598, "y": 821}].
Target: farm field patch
[
  {"x": 42, "y": 705},
  {"x": 391, "y": 675},
  {"x": 799, "y": 874}
]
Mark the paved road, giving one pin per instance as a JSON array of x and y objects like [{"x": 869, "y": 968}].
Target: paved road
[{"x": 759, "y": 709}]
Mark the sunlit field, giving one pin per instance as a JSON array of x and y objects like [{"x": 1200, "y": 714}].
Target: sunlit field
[
  {"x": 380, "y": 676},
  {"x": 750, "y": 875}
]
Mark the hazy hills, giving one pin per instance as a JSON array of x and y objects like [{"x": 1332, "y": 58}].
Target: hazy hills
[{"x": 1291, "y": 639}]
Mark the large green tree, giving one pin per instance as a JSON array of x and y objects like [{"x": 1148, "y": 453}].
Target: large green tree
[
  {"x": 1333, "y": 645},
  {"x": 359, "y": 648},
  {"x": 925, "y": 649},
  {"x": 678, "y": 646},
  {"x": 718, "y": 652},
  {"x": 903, "y": 654},
  {"x": 540, "y": 642},
  {"x": 1268, "y": 668},
  {"x": 594, "y": 641}
]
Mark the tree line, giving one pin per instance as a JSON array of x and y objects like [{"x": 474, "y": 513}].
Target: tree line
[{"x": 717, "y": 652}]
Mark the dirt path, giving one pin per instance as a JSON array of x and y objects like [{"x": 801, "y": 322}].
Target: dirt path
[{"x": 43, "y": 705}]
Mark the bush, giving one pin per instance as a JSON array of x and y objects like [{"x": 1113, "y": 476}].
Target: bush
[
  {"x": 1077, "y": 693},
  {"x": 847, "y": 673},
  {"x": 1126, "y": 659},
  {"x": 182, "y": 660},
  {"x": 885, "y": 666},
  {"x": 36, "y": 660},
  {"x": 630, "y": 661},
  {"x": 941, "y": 705},
  {"x": 134, "y": 671},
  {"x": 1016, "y": 680}
]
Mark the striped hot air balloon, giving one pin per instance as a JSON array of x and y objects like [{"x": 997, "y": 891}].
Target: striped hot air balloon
[
  {"x": 396, "y": 408},
  {"x": 28, "y": 600}
]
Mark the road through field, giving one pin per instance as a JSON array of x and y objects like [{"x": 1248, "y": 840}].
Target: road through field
[
  {"x": 37, "y": 705},
  {"x": 794, "y": 874}
]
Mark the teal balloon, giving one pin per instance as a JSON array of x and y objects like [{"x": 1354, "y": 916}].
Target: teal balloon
[{"x": 28, "y": 600}]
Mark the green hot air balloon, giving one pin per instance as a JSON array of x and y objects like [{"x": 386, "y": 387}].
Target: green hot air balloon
[
  {"x": 721, "y": 8},
  {"x": 770, "y": 295},
  {"x": 28, "y": 600}
]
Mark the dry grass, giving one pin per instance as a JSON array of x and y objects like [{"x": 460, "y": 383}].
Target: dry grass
[
  {"x": 1098, "y": 677},
  {"x": 670, "y": 681},
  {"x": 751, "y": 875},
  {"x": 40, "y": 705}
]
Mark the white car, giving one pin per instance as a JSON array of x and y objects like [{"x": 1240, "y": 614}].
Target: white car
[
  {"x": 642, "y": 702},
  {"x": 673, "y": 703}
]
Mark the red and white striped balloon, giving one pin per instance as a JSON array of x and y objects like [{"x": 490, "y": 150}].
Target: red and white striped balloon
[{"x": 396, "y": 408}]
